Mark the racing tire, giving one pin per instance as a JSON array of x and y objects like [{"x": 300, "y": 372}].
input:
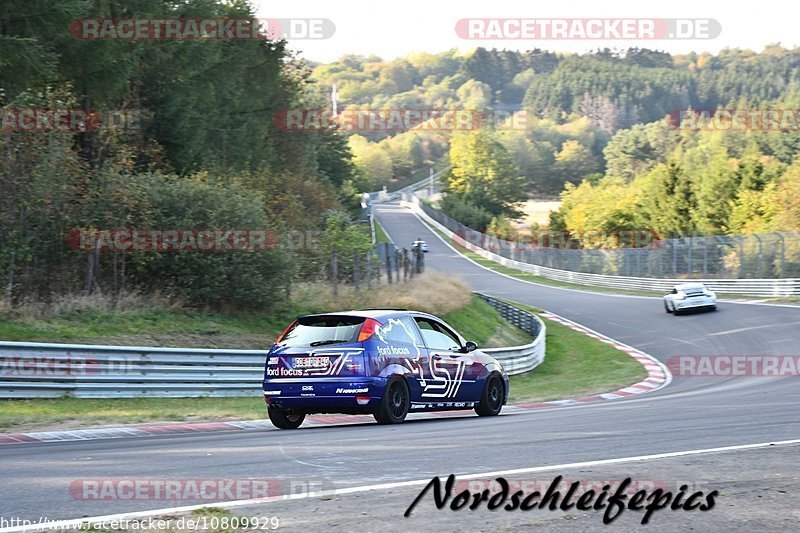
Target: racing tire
[
  {"x": 395, "y": 403},
  {"x": 666, "y": 307},
  {"x": 283, "y": 420},
  {"x": 492, "y": 398}
]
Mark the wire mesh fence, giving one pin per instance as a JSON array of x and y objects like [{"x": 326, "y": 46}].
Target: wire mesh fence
[
  {"x": 754, "y": 256},
  {"x": 385, "y": 263}
]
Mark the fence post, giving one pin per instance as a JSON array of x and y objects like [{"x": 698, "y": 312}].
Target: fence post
[
  {"x": 397, "y": 259},
  {"x": 760, "y": 255},
  {"x": 705, "y": 257},
  {"x": 357, "y": 270},
  {"x": 388, "y": 262},
  {"x": 335, "y": 272},
  {"x": 369, "y": 269}
]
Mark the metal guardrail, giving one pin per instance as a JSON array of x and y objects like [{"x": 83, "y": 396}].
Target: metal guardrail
[
  {"x": 382, "y": 196},
  {"x": 763, "y": 288},
  {"x": 38, "y": 370},
  {"x": 519, "y": 359},
  {"x": 41, "y": 370}
]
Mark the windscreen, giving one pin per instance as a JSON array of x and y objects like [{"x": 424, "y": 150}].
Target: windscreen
[{"x": 323, "y": 330}]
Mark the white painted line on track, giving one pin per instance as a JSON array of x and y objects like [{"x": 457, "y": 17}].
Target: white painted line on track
[{"x": 78, "y": 522}]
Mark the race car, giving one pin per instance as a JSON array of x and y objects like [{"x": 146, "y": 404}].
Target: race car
[
  {"x": 384, "y": 362},
  {"x": 689, "y": 296},
  {"x": 423, "y": 246}
]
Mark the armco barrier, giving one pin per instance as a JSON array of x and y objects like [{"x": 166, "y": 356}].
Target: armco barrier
[
  {"x": 763, "y": 288},
  {"x": 525, "y": 358},
  {"x": 34, "y": 370},
  {"x": 38, "y": 370}
]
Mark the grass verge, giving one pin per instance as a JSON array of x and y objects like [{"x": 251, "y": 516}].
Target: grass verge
[
  {"x": 97, "y": 320},
  {"x": 575, "y": 365},
  {"x": 380, "y": 234}
]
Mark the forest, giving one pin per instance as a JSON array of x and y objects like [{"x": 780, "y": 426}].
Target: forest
[
  {"x": 597, "y": 129},
  {"x": 182, "y": 136},
  {"x": 171, "y": 134}
]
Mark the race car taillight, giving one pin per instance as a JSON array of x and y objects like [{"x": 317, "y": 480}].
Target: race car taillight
[
  {"x": 287, "y": 330},
  {"x": 368, "y": 329}
]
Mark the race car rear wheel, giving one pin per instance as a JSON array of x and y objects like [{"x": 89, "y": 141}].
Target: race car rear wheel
[
  {"x": 395, "y": 403},
  {"x": 283, "y": 420},
  {"x": 492, "y": 397}
]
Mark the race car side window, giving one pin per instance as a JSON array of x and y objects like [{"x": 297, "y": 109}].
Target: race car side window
[
  {"x": 437, "y": 336},
  {"x": 400, "y": 330}
]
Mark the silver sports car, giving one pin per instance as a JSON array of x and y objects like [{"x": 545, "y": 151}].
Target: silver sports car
[{"x": 689, "y": 296}]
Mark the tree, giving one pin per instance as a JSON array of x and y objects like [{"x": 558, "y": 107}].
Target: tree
[
  {"x": 483, "y": 174},
  {"x": 574, "y": 163},
  {"x": 372, "y": 162}
]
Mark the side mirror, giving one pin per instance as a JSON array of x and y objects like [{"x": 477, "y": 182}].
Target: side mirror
[{"x": 470, "y": 346}]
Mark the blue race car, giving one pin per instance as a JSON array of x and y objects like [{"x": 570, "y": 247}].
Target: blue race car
[{"x": 383, "y": 362}]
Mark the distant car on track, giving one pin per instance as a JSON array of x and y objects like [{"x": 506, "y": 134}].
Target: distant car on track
[
  {"x": 383, "y": 362},
  {"x": 423, "y": 246},
  {"x": 689, "y": 296}
]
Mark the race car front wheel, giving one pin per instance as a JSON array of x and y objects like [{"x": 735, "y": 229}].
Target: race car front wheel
[
  {"x": 395, "y": 403},
  {"x": 283, "y": 420}
]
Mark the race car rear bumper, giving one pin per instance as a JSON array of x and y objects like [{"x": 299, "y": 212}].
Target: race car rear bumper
[{"x": 325, "y": 395}]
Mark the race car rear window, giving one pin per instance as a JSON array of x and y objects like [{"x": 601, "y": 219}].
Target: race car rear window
[{"x": 323, "y": 330}]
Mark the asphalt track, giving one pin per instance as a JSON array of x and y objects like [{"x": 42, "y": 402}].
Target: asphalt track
[{"x": 690, "y": 414}]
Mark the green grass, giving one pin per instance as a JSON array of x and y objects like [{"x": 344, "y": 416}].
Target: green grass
[
  {"x": 481, "y": 323},
  {"x": 380, "y": 234},
  {"x": 17, "y": 415},
  {"x": 162, "y": 327},
  {"x": 574, "y": 365}
]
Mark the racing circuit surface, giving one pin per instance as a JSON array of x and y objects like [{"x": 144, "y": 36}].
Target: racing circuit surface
[{"x": 758, "y": 486}]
